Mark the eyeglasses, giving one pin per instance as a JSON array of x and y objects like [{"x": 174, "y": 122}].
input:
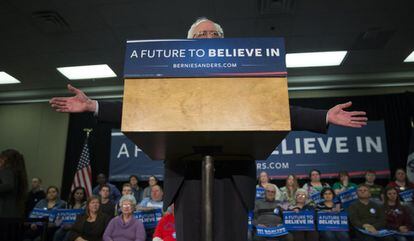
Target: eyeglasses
[
  {"x": 205, "y": 34},
  {"x": 126, "y": 205},
  {"x": 301, "y": 195},
  {"x": 271, "y": 191}
]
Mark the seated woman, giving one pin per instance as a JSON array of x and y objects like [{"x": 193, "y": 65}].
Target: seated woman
[
  {"x": 263, "y": 180},
  {"x": 125, "y": 227},
  {"x": 77, "y": 200},
  {"x": 268, "y": 213},
  {"x": 91, "y": 225},
  {"x": 289, "y": 190},
  {"x": 152, "y": 181},
  {"x": 52, "y": 201},
  {"x": 165, "y": 230},
  {"x": 343, "y": 183},
  {"x": 328, "y": 205},
  {"x": 315, "y": 185},
  {"x": 302, "y": 203},
  {"x": 397, "y": 216},
  {"x": 136, "y": 190}
]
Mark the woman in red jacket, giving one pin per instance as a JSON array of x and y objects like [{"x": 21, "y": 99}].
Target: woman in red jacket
[{"x": 165, "y": 230}]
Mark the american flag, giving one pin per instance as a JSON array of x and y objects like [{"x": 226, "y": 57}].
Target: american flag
[{"x": 83, "y": 175}]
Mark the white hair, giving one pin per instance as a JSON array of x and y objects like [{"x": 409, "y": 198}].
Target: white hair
[
  {"x": 200, "y": 20},
  {"x": 129, "y": 198}
]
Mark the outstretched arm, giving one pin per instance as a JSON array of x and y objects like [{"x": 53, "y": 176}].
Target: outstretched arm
[
  {"x": 338, "y": 116},
  {"x": 75, "y": 104}
]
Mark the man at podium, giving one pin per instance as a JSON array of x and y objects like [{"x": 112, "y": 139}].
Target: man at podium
[{"x": 234, "y": 181}]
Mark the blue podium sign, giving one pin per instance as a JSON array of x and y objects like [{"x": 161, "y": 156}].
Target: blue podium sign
[{"x": 205, "y": 57}]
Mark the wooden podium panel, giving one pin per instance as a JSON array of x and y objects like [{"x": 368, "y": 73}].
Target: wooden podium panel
[{"x": 172, "y": 117}]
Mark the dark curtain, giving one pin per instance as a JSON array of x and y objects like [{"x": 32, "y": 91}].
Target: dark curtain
[{"x": 396, "y": 110}]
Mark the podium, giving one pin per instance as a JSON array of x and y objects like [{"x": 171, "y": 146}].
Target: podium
[
  {"x": 214, "y": 118},
  {"x": 206, "y": 114}
]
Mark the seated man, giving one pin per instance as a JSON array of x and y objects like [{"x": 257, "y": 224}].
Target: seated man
[
  {"x": 268, "y": 213},
  {"x": 153, "y": 202},
  {"x": 367, "y": 215},
  {"x": 106, "y": 206},
  {"x": 101, "y": 180}
]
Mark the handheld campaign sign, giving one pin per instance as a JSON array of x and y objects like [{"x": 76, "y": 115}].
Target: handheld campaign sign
[
  {"x": 348, "y": 197},
  {"x": 330, "y": 221},
  {"x": 260, "y": 192},
  {"x": 271, "y": 231},
  {"x": 149, "y": 218},
  {"x": 316, "y": 197},
  {"x": 205, "y": 57},
  {"x": 407, "y": 196},
  {"x": 381, "y": 233},
  {"x": 68, "y": 216},
  {"x": 303, "y": 220},
  {"x": 41, "y": 213}
]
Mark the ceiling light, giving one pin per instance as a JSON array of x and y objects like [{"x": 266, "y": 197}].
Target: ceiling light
[
  {"x": 410, "y": 58},
  {"x": 5, "y": 78},
  {"x": 315, "y": 59},
  {"x": 87, "y": 72}
]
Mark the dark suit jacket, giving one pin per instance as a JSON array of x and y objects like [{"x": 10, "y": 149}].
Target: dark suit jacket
[{"x": 244, "y": 176}]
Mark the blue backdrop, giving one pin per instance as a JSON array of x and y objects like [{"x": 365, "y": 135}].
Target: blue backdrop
[{"x": 341, "y": 149}]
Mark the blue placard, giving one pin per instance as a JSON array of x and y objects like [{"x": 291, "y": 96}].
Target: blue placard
[
  {"x": 303, "y": 220},
  {"x": 149, "y": 218},
  {"x": 271, "y": 231},
  {"x": 41, "y": 213},
  {"x": 409, "y": 233},
  {"x": 331, "y": 221},
  {"x": 407, "y": 196},
  {"x": 68, "y": 216},
  {"x": 260, "y": 193},
  {"x": 348, "y": 196},
  {"x": 316, "y": 197},
  {"x": 381, "y": 233},
  {"x": 205, "y": 57}
]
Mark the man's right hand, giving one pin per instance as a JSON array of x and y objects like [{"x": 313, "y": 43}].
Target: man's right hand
[{"x": 75, "y": 104}]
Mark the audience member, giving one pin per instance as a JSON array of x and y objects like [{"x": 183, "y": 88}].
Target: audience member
[
  {"x": 13, "y": 184},
  {"x": 52, "y": 201},
  {"x": 138, "y": 192},
  {"x": 328, "y": 205},
  {"x": 165, "y": 230},
  {"x": 107, "y": 206},
  {"x": 154, "y": 201},
  {"x": 268, "y": 213},
  {"x": 397, "y": 216},
  {"x": 126, "y": 190},
  {"x": 77, "y": 200},
  {"x": 289, "y": 190},
  {"x": 401, "y": 182},
  {"x": 91, "y": 225},
  {"x": 152, "y": 181},
  {"x": 315, "y": 185},
  {"x": 101, "y": 180},
  {"x": 125, "y": 227},
  {"x": 367, "y": 215},
  {"x": 263, "y": 180},
  {"x": 302, "y": 203},
  {"x": 343, "y": 183},
  {"x": 375, "y": 189},
  {"x": 36, "y": 194}
]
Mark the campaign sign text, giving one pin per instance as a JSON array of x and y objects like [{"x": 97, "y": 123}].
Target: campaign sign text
[
  {"x": 149, "y": 218},
  {"x": 316, "y": 197},
  {"x": 260, "y": 192},
  {"x": 205, "y": 57},
  {"x": 41, "y": 213},
  {"x": 332, "y": 221},
  {"x": 303, "y": 220},
  {"x": 271, "y": 231},
  {"x": 407, "y": 196},
  {"x": 68, "y": 216},
  {"x": 348, "y": 196}
]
